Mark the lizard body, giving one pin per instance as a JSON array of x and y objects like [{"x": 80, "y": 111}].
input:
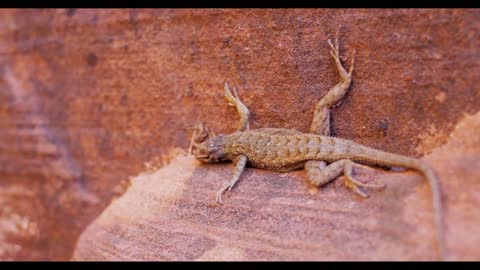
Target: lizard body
[
  {"x": 322, "y": 156},
  {"x": 284, "y": 150}
]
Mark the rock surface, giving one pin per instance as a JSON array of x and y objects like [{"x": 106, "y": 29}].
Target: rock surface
[
  {"x": 88, "y": 98},
  {"x": 170, "y": 214}
]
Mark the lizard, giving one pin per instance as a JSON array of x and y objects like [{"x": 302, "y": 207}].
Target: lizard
[{"x": 324, "y": 157}]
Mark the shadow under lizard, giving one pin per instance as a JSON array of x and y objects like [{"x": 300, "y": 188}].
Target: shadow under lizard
[{"x": 285, "y": 150}]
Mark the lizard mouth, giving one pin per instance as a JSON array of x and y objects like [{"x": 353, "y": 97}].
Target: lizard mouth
[{"x": 200, "y": 155}]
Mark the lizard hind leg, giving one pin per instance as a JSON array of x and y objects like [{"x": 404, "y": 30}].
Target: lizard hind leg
[
  {"x": 319, "y": 175},
  {"x": 321, "y": 117}
]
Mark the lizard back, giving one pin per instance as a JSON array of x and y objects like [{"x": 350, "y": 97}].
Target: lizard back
[{"x": 285, "y": 150}]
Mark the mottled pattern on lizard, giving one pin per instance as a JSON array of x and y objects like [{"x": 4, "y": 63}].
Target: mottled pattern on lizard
[{"x": 284, "y": 150}]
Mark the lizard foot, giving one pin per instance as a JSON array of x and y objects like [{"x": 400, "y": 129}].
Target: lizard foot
[
  {"x": 353, "y": 184},
  {"x": 233, "y": 99},
  {"x": 335, "y": 53},
  {"x": 335, "y": 50},
  {"x": 225, "y": 188}
]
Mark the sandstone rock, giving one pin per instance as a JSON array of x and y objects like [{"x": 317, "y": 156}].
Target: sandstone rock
[
  {"x": 170, "y": 214},
  {"x": 89, "y": 97}
]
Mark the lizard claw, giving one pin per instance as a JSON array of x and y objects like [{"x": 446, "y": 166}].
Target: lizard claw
[
  {"x": 218, "y": 199},
  {"x": 334, "y": 50},
  {"x": 374, "y": 186},
  {"x": 350, "y": 70},
  {"x": 355, "y": 189},
  {"x": 353, "y": 184},
  {"x": 232, "y": 98},
  {"x": 227, "y": 187}
]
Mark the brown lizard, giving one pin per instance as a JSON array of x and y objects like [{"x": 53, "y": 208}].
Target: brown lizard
[{"x": 284, "y": 150}]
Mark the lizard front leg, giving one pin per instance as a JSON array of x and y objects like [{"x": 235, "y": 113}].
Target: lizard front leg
[
  {"x": 234, "y": 100},
  {"x": 240, "y": 162}
]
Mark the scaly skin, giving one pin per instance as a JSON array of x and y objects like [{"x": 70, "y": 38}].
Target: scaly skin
[{"x": 284, "y": 150}]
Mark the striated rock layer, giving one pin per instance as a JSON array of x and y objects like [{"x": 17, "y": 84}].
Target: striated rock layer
[{"x": 90, "y": 98}]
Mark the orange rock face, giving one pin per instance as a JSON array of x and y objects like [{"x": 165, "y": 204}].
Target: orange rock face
[
  {"x": 92, "y": 98},
  {"x": 170, "y": 214}
]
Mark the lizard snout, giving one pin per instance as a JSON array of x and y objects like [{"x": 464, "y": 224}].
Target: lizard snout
[{"x": 200, "y": 151}]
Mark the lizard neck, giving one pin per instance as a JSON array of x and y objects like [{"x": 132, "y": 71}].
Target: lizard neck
[{"x": 232, "y": 144}]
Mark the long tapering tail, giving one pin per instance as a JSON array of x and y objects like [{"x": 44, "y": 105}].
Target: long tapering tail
[
  {"x": 372, "y": 156},
  {"x": 437, "y": 205}
]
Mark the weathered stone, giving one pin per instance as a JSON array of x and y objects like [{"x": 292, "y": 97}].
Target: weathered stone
[
  {"x": 170, "y": 214},
  {"x": 89, "y": 98}
]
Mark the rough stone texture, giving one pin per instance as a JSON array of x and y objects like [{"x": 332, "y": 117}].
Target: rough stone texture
[
  {"x": 170, "y": 214},
  {"x": 88, "y": 98}
]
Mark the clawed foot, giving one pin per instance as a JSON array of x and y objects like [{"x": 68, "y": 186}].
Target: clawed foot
[
  {"x": 227, "y": 187},
  {"x": 334, "y": 48},
  {"x": 335, "y": 53},
  {"x": 232, "y": 99},
  {"x": 354, "y": 184}
]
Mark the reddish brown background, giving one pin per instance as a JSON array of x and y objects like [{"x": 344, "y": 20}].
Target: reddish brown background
[{"x": 87, "y": 97}]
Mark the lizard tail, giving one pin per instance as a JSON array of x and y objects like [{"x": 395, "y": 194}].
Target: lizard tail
[
  {"x": 437, "y": 205},
  {"x": 429, "y": 174},
  {"x": 376, "y": 157}
]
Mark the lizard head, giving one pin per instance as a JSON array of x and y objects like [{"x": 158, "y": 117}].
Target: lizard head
[{"x": 205, "y": 145}]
